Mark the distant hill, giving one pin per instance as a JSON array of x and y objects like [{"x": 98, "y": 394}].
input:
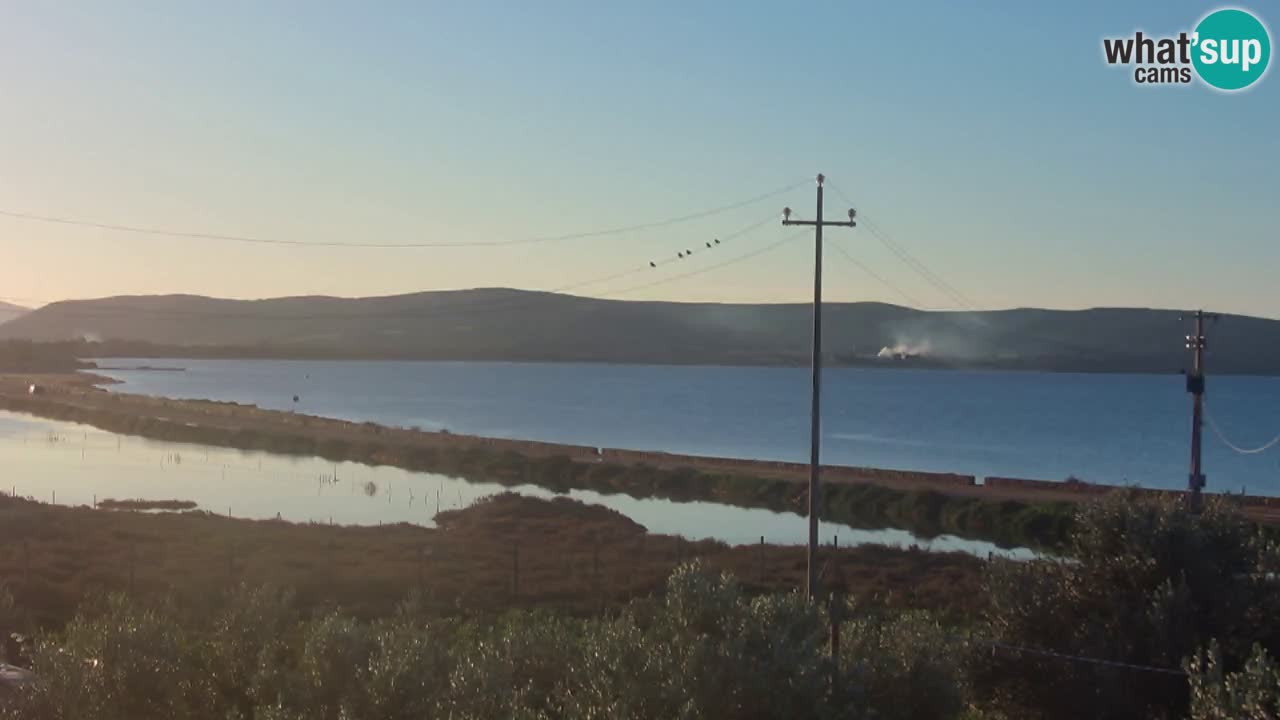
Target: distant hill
[
  {"x": 9, "y": 312},
  {"x": 501, "y": 324}
]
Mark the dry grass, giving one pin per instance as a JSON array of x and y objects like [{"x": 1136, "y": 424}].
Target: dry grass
[{"x": 570, "y": 556}]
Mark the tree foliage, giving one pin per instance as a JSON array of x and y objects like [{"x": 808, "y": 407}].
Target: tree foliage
[
  {"x": 1143, "y": 582},
  {"x": 705, "y": 649}
]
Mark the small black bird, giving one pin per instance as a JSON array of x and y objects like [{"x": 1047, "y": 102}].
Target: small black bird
[
  {"x": 717, "y": 241},
  {"x": 652, "y": 264},
  {"x": 679, "y": 254}
]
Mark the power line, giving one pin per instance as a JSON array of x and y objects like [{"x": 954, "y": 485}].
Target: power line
[
  {"x": 910, "y": 260},
  {"x": 193, "y": 235},
  {"x": 700, "y": 271},
  {"x": 876, "y": 276},
  {"x": 919, "y": 267},
  {"x": 713, "y": 244},
  {"x": 1241, "y": 450},
  {"x": 456, "y": 308},
  {"x": 1023, "y": 650}
]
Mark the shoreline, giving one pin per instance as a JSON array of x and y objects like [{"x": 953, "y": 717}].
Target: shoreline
[
  {"x": 798, "y": 364},
  {"x": 1007, "y": 511}
]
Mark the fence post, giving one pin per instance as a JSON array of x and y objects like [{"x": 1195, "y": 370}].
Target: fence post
[
  {"x": 133, "y": 558},
  {"x": 834, "y": 608},
  {"x": 331, "y": 565},
  {"x": 761, "y": 560},
  {"x": 26, "y": 565},
  {"x": 515, "y": 570},
  {"x": 595, "y": 570},
  {"x": 421, "y": 550}
]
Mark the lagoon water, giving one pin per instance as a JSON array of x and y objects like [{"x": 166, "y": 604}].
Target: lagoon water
[
  {"x": 74, "y": 464},
  {"x": 1105, "y": 428}
]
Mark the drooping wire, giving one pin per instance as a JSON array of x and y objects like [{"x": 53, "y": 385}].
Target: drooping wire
[
  {"x": 877, "y": 276},
  {"x": 138, "y": 230},
  {"x": 455, "y": 308},
  {"x": 911, "y": 301},
  {"x": 929, "y": 276},
  {"x": 1023, "y": 650},
  {"x": 1241, "y": 450},
  {"x": 717, "y": 266}
]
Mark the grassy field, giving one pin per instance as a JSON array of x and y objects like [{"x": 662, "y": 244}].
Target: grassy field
[{"x": 503, "y": 552}]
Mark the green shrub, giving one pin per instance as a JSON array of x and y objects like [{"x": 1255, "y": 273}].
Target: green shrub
[
  {"x": 703, "y": 650},
  {"x": 1252, "y": 693},
  {"x": 1143, "y": 582}
]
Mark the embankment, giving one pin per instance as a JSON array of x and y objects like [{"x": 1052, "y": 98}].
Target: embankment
[{"x": 1007, "y": 511}]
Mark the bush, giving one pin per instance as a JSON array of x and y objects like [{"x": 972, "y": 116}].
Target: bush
[
  {"x": 1253, "y": 693},
  {"x": 120, "y": 662},
  {"x": 1143, "y": 582},
  {"x": 705, "y": 650},
  {"x": 907, "y": 666}
]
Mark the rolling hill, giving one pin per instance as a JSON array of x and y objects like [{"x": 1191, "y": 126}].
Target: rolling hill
[
  {"x": 503, "y": 324},
  {"x": 9, "y": 312}
]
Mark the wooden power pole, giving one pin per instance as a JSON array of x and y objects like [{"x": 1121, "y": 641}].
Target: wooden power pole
[{"x": 815, "y": 426}]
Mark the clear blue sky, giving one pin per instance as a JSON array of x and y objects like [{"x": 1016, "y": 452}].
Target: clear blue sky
[{"x": 989, "y": 139}]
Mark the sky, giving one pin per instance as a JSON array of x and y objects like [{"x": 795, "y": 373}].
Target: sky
[{"x": 987, "y": 139}]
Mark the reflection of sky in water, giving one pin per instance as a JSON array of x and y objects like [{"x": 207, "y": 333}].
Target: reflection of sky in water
[{"x": 43, "y": 458}]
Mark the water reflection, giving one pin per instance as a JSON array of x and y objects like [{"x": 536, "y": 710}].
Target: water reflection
[{"x": 76, "y": 464}]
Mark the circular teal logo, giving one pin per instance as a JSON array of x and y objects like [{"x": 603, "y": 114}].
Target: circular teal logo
[{"x": 1231, "y": 49}]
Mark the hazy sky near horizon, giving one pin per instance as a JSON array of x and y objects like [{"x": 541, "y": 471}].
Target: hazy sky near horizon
[{"x": 988, "y": 138}]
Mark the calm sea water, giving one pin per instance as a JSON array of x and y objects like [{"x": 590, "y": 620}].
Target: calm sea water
[
  {"x": 1104, "y": 428},
  {"x": 75, "y": 464}
]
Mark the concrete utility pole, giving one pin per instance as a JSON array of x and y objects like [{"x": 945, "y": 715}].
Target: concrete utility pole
[
  {"x": 815, "y": 429},
  {"x": 1195, "y": 386}
]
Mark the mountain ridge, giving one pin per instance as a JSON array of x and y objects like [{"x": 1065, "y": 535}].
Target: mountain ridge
[{"x": 520, "y": 325}]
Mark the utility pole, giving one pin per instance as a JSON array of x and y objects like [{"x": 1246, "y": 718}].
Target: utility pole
[
  {"x": 1195, "y": 386},
  {"x": 815, "y": 425}
]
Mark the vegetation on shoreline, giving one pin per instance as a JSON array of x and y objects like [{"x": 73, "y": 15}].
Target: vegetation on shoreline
[
  {"x": 24, "y": 356},
  {"x": 1158, "y": 614},
  {"x": 136, "y": 504},
  {"x": 503, "y": 552},
  {"x": 925, "y": 512}
]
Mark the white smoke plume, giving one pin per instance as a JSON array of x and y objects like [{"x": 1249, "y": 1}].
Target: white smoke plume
[{"x": 906, "y": 348}]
